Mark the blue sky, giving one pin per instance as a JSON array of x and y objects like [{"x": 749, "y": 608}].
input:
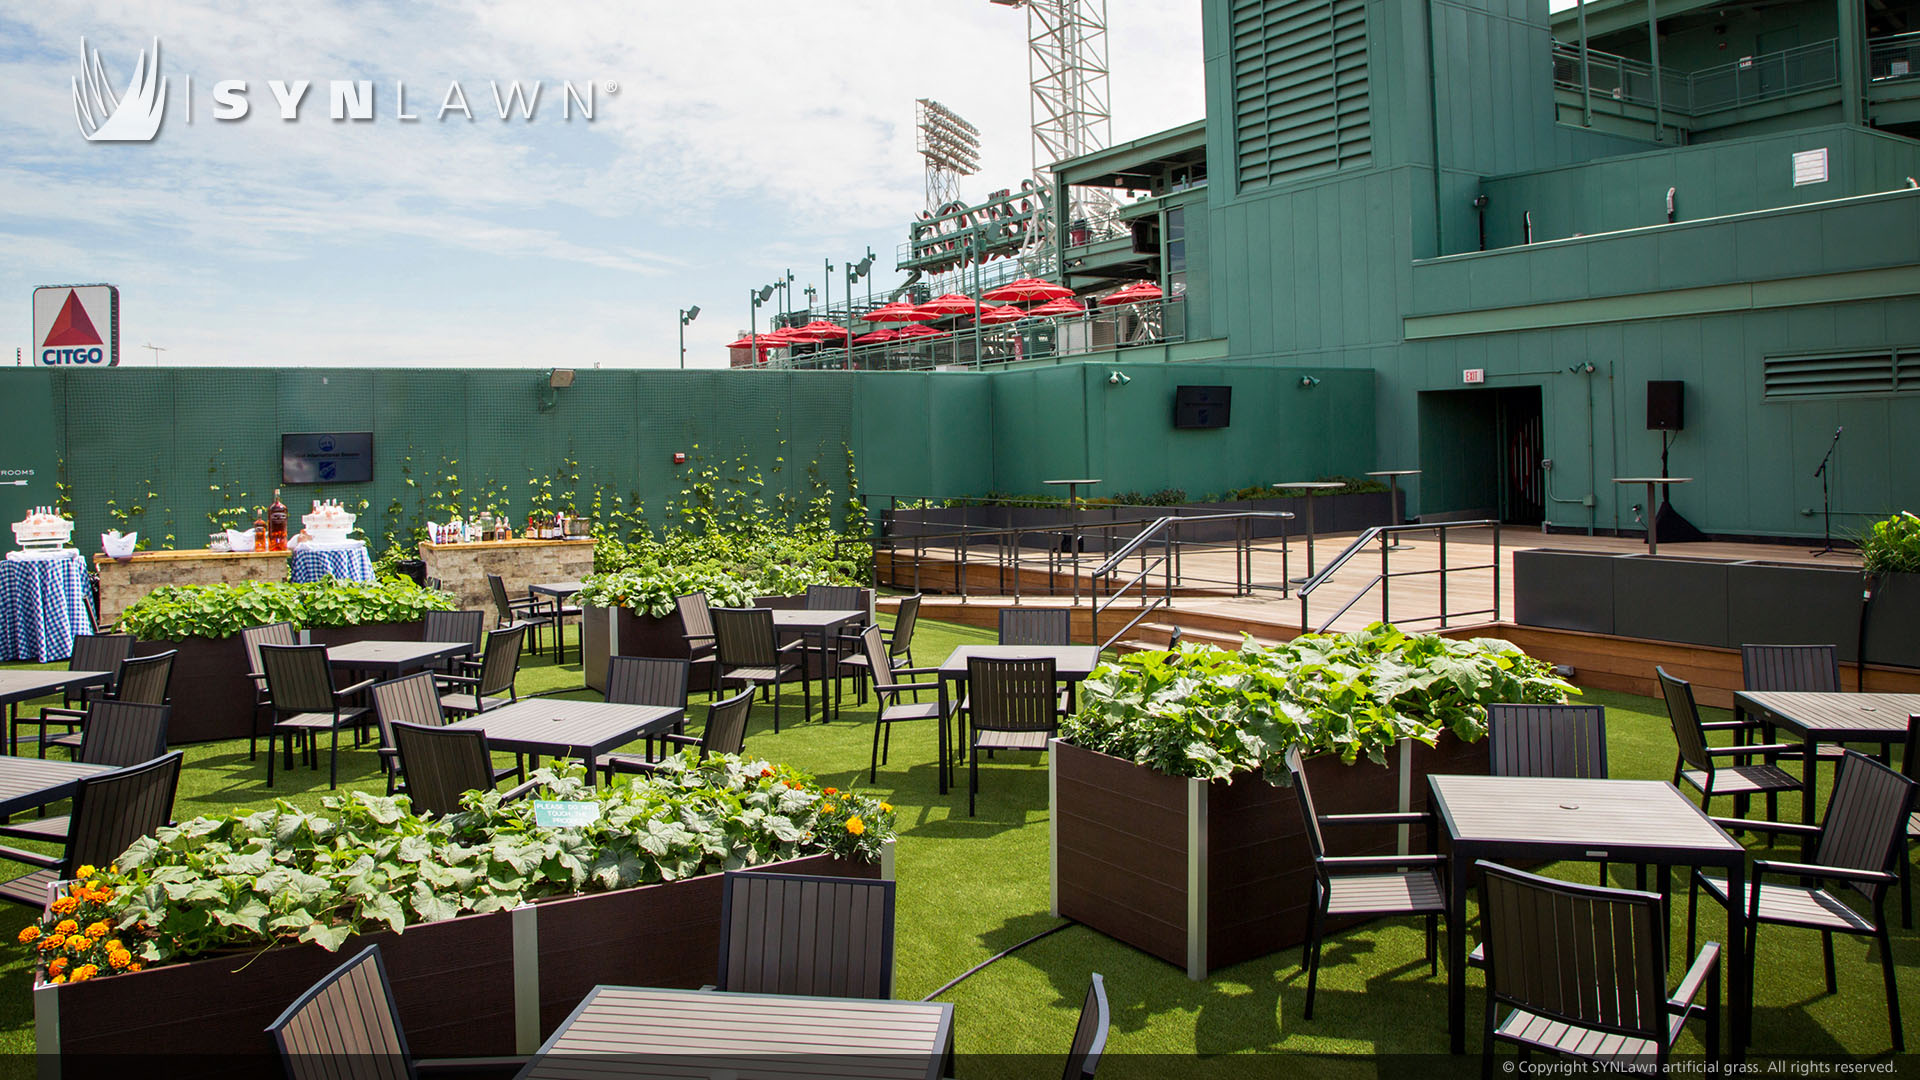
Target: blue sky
[{"x": 744, "y": 138}]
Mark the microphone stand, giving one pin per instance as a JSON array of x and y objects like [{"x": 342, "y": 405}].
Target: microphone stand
[{"x": 1826, "y": 496}]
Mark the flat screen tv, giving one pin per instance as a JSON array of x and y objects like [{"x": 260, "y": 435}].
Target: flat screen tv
[
  {"x": 1202, "y": 406},
  {"x": 326, "y": 457}
]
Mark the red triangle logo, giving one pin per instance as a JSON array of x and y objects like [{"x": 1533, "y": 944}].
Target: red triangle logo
[{"x": 71, "y": 326}]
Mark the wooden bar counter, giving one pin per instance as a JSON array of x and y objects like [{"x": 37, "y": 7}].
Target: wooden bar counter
[
  {"x": 463, "y": 568},
  {"x": 122, "y": 581}
]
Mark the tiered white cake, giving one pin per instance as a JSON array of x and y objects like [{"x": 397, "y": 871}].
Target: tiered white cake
[
  {"x": 328, "y": 524},
  {"x": 43, "y": 529}
]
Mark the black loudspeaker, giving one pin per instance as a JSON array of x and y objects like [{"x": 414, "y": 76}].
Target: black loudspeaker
[{"x": 1665, "y": 405}]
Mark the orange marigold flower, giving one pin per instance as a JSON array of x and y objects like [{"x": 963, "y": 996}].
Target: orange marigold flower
[
  {"x": 826, "y": 808},
  {"x": 78, "y": 943},
  {"x": 114, "y": 944},
  {"x": 767, "y": 771},
  {"x": 29, "y": 933},
  {"x": 85, "y": 972},
  {"x": 833, "y": 791},
  {"x": 886, "y": 808},
  {"x": 119, "y": 958},
  {"x": 135, "y": 966},
  {"x": 84, "y": 872},
  {"x": 52, "y": 943},
  {"x": 59, "y": 965},
  {"x": 65, "y": 926},
  {"x": 65, "y": 905},
  {"x": 59, "y": 978},
  {"x": 98, "y": 930},
  {"x": 856, "y": 826}
]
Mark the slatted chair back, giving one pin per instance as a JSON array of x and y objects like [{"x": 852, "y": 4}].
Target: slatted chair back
[
  {"x": 112, "y": 810},
  {"x": 696, "y": 619},
  {"x": 1866, "y": 821},
  {"x": 1309, "y": 818},
  {"x": 796, "y": 934},
  {"x": 299, "y": 679},
  {"x": 409, "y": 699},
  {"x": 502, "y": 603},
  {"x": 280, "y": 633},
  {"x": 1814, "y": 668},
  {"x": 1684, "y": 715},
  {"x": 502, "y": 660},
  {"x": 145, "y": 680},
  {"x": 123, "y": 733},
  {"x": 1090, "y": 1035},
  {"x": 726, "y": 730},
  {"x": 346, "y": 1027},
  {"x": 645, "y": 680},
  {"x": 836, "y": 598},
  {"x": 1556, "y": 741},
  {"x": 1615, "y": 979},
  {"x": 464, "y": 626},
  {"x": 441, "y": 764},
  {"x": 99, "y": 652},
  {"x": 1012, "y": 695},
  {"x": 1910, "y": 757},
  {"x": 873, "y": 647},
  {"x": 904, "y": 618},
  {"x": 1036, "y": 626},
  {"x": 743, "y": 637}
]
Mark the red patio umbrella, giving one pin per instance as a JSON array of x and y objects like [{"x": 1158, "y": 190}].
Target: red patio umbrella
[
  {"x": 1006, "y": 314},
  {"x": 917, "y": 331},
  {"x": 821, "y": 330},
  {"x": 876, "y": 337},
  {"x": 899, "y": 313},
  {"x": 950, "y": 304},
  {"x": 1135, "y": 293},
  {"x": 1062, "y": 306},
  {"x": 749, "y": 341},
  {"x": 1027, "y": 291}
]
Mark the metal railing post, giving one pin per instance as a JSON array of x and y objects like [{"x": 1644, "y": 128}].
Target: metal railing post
[
  {"x": 1496, "y": 571},
  {"x": 1443, "y": 577},
  {"x": 1017, "y": 572},
  {"x": 964, "y": 547},
  {"x": 1386, "y": 581}
]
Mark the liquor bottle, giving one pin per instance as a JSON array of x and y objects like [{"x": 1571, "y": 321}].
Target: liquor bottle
[
  {"x": 259, "y": 535},
  {"x": 277, "y": 524}
]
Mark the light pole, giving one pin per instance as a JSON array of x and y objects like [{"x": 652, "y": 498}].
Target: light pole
[{"x": 687, "y": 315}]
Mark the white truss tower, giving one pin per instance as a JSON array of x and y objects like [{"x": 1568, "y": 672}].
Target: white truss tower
[{"x": 1071, "y": 109}]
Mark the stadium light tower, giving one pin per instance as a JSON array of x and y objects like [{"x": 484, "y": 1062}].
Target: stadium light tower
[
  {"x": 1071, "y": 110},
  {"x": 952, "y": 149}
]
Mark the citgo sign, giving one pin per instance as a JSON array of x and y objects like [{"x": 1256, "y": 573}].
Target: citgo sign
[{"x": 76, "y": 326}]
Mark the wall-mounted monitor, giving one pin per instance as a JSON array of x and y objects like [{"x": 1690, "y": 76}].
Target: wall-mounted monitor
[
  {"x": 1202, "y": 406},
  {"x": 326, "y": 457}
]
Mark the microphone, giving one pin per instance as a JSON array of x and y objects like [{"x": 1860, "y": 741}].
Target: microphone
[{"x": 1837, "y": 431}]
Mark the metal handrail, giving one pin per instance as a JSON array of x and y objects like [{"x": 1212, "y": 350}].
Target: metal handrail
[
  {"x": 1386, "y": 575},
  {"x": 1159, "y": 524}
]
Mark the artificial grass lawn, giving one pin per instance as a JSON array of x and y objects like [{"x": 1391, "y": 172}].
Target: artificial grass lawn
[{"x": 969, "y": 887}]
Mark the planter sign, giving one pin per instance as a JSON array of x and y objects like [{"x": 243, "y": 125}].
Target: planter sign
[{"x": 554, "y": 814}]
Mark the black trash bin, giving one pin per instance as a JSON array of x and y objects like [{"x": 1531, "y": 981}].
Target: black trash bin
[{"x": 415, "y": 569}]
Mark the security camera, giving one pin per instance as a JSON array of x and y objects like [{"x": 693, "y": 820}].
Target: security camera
[{"x": 1118, "y": 378}]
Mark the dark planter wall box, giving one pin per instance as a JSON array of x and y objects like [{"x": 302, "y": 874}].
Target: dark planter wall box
[
  {"x": 1206, "y": 875},
  {"x": 494, "y": 984},
  {"x": 212, "y": 696},
  {"x": 1565, "y": 590},
  {"x": 1671, "y": 600},
  {"x": 1893, "y": 625},
  {"x": 1332, "y": 513},
  {"x": 610, "y": 632}
]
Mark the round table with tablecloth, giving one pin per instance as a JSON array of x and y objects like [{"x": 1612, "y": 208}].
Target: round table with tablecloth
[
  {"x": 346, "y": 560},
  {"x": 43, "y": 604}
]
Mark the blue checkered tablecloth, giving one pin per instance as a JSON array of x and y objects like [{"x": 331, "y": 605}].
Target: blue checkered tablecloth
[
  {"x": 43, "y": 604},
  {"x": 346, "y": 562}
]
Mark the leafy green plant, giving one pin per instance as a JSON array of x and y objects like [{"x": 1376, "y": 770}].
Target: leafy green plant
[
  {"x": 1350, "y": 485},
  {"x": 1892, "y": 546},
  {"x": 1207, "y": 712},
  {"x": 366, "y": 862},
  {"x": 174, "y": 612}
]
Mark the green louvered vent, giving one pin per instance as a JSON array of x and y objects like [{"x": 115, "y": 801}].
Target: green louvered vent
[
  {"x": 1299, "y": 88},
  {"x": 1856, "y": 373}
]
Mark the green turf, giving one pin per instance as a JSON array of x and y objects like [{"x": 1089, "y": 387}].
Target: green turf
[{"x": 970, "y": 887}]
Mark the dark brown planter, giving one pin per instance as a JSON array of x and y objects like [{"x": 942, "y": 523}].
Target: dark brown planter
[
  {"x": 493, "y": 984},
  {"x": 212, "y": 696},
  {"x": 608, "y": 632},
  {"x": 1205, "y": 874}
]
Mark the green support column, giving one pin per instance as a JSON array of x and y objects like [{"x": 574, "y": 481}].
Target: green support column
[{"x": 1852, "y": 39}]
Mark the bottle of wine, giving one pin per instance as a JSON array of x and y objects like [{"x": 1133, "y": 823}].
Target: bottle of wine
[
  {"x": 259, "y": 534},
  {"x": 277, "y": 524}
]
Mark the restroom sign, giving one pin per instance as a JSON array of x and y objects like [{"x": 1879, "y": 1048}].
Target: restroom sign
[{"x": 76, "y": 326}]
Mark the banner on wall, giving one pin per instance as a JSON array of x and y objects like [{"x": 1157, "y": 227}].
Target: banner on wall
[{"x": 76, "y": 326}]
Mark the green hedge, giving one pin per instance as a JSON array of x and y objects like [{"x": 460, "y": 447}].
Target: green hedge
[{"x": 176, "y": 612}]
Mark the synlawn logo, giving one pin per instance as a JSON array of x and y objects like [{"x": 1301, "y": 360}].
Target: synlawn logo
[{"x": 136, "y": 114}]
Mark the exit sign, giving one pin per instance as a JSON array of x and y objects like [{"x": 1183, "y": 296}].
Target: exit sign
[{"x": 1474, "y": 375}]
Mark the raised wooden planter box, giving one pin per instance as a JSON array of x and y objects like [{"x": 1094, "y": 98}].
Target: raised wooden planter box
[
  {"x": 610, "y": 632},
  {"x": 479, "y": 985},
  {"x": 212, "y": 696},
  {"x": 1207, "y": 874}
]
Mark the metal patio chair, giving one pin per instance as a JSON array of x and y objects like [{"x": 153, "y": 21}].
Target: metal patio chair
[
  {"x": 1036, "y": 626},
  {"x": 441, "y": 764},
  {"x": 745, "y": 642},
  {"x": 110, "y": 811},
  {"x": 141, "y": 680},
  {"x": 489, "y": 681},
  {"x": 91, "y": 652},
  {"x": 305, "y": 703},
  {"x": 467, "y": 626},
  {"x": 725, "y": 733},
  {"x": 899, "y": 646},
  {"x": 887, "y": 688},
  {"x": 800, "y": 934},
  {"x": 1013, "y": 705},
  {"x": 119, "y": 734},
  {"x": 280, "y": 633},
  {"x": 1799, "y": 668},
  {"x": 1697, "y": 763}
]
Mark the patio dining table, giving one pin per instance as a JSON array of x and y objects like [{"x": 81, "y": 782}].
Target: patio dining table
[
  {"x": 392, "y": 659},
  {"x": 559, "y": 590},
  {"x": 27, "y": 782},
  {"x": 626, "y": 1031},
  {"x": 561, "y": 728},
  {"x": 18, "y": 686},
  {"x": 1071, "y": 665},
  {"x": 826, "y": 625},
  {"x": 1827, "y": 718},
  {"x": 1647, "y": 822}
]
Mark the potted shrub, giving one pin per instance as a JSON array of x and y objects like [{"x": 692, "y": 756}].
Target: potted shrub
[
  {"x": 1890, "y": 555},
  {"x": 1170, "y": 830},
  {"x": 493, "y": 925},
  {"x": 212, "y": 697}
]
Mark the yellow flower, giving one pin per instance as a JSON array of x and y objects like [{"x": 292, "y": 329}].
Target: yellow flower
[
  {"x": 84, "y": 873},
  {"x": 59, "y": 978},
  {"x": 114, "y": 944},
  {"x": 135, "y": 966},
  {"x": 52, "y": 943},
  {"x": 886, "y": 808},
  {"x": 85, "y": 972},
  {"x": 98, "y": 930},
  {"x": 29, "y": 933},
  {"x": 59, "y": 965},
  {"x": 65, "y": 905},
  {"x": 78, "y": 943},
  {"x": 65, "y": 926},
  {"x": 826, "y": 808},
  {"x": 855, "y": 826},
  {"x": 119, "y": 958}
]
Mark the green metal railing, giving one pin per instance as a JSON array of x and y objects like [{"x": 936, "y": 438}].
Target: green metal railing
[
  {"x": 1100, "y": 330},
  {"x": 1745, "y": 81},
  {"x": 1894, "y": 57}
]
